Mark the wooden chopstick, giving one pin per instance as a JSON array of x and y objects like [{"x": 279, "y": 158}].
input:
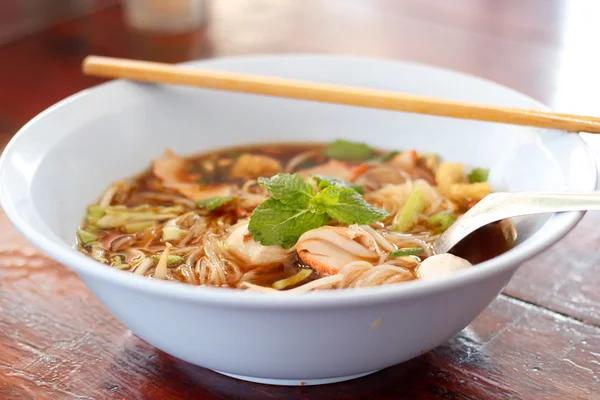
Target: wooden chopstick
[{"x": 146, "y": 71}]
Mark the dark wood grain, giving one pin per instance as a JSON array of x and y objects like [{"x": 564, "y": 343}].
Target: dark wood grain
[{"x": 539, "y": 340}]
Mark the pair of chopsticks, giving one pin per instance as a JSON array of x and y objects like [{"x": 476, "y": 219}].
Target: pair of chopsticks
[{"x": 146, "y": 71}]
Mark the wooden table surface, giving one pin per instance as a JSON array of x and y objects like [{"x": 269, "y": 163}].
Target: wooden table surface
[{"x": 540, "y": 339}]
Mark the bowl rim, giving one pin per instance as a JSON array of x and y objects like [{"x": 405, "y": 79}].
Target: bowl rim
[{"x": 89, "y": 268}]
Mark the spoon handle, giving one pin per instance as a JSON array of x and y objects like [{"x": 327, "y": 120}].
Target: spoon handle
[{"x": 498, "y": 206}]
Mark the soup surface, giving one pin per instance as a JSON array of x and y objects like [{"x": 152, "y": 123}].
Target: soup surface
[{"x": 290, "y": 218}]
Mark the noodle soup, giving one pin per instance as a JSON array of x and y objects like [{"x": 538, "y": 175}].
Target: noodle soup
[{"x": 290, "y": 217}]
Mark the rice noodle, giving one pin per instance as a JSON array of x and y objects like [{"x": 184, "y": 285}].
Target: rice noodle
[{"x": 198, "y": 237}]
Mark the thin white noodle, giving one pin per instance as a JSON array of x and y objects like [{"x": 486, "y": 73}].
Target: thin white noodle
[
  {"x": 251, "y": 287},
  {"x": 144, "y": 266},
  {"x": 379, "y": 238},
  {"x": 320, "y": 283},
  {"x": 187, "y": 274}
]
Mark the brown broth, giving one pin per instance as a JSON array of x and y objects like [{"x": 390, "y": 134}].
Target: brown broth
[
  {"x": 486, "y": 243},
  {"x": 215, "y": 168}
]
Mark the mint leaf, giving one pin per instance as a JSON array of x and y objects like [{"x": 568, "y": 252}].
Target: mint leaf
[
  {"x": 274, "y": 222},
  {"x": 290, "y": 190},
  {"x": 326, "y": 181},
  {"x": 479, "y": 175},
  {"x": 214, "y": 202},
  {"x": 346, "y": 205},
  {"x": 345, "y": 150}
]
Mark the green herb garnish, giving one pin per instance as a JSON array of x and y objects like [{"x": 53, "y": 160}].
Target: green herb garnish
[
  {"x": 325, "y": 181},
  {"x": 348, "y": 151},
  {"x": 345, "y": 205},
  {"x": 212, "y": 203},
  {"x": 479, "y": 175},
  {"x": 441, "y": 221},
  {"x": 295, "y": 208},
  {"x": 407, "y": 252},
  {"x": 290, "y": 190}
]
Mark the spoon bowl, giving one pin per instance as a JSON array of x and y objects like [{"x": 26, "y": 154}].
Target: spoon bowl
[{"x": 499, "y": 206}]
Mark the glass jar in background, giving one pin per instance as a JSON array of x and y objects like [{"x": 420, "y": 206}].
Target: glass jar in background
[{"x": 165, "y": 16}]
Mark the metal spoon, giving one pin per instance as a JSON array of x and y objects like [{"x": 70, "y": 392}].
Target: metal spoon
[{"x": 498, "y": 206}]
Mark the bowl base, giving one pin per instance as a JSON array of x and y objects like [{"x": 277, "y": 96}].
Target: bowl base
[{"x": 297, "y": 382}]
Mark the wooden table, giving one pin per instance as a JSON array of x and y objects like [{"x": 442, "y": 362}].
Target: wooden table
[{"x": 539, "y": 340}]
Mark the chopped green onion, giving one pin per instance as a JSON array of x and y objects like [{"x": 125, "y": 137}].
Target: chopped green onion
[
  {"x": 172, "y": 260},
  {"x": 292, "y": 280},
  {"x": 117, "y": 216},
  {"x": 117, "y": 262},
  {"x": 213, "y": 203},
  {"x": 94, "y": 213},
  {"x": 172, "y": 233},
  {"x": 407, "y": 252},
  {"x": 98, "y": 253},
  {"x": 412, "y": 208},
  {"x": 479, "y": 175},
  {"x": 441, "y": 221},
  {"x": 345, "y": 150},
  {"x": 86, "y": 237},
  {"x": 137, "y": 226}
]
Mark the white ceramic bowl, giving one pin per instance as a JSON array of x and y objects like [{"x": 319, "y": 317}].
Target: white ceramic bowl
[{"x": 65, "y": 157}]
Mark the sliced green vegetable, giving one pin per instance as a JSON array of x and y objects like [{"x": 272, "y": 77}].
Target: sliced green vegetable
[
  {"x": 118, "y": 262},
  {"x": 407, "y": 252},
  {"x": 172, "y": 260},
  {"x": 94, "y": 213},
  {"x": 137, "y": 226},
  {"x": 412, "y": 208},
  {"x": 292, "y": 280},
  {"x": 345, "y": 150},
  {"x": 173, "y": 233},
  {"x": 325, "y": 181},
  {"x": 117, "y": 216},
  {"x": 86, "y": 237},
  {"x": 441, "y": 221},
  {"x": 213, "y": 203},
  {"x": 98, "y": 253},
  {"x": 478, "y": 175}
]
